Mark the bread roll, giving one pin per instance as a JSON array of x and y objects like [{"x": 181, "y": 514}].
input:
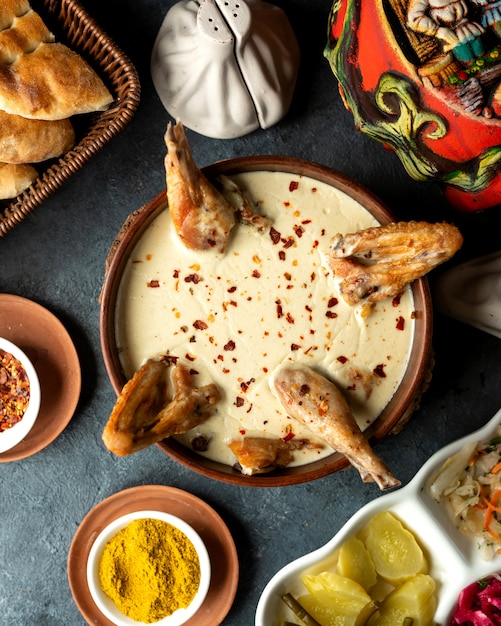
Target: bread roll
[
  {"x": 51, "y": 83},
  {"x": 41, "y": 78},
  {"x": 31, "y": 141},
  {"x": 14, "y": 179}
]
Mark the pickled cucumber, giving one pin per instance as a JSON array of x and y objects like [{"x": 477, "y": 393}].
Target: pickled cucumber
[
  {"x": 414, "y": 599},
  {"x": 335, "y": 600},
  {"x": 393, "y": 549},
  {"x": 355, "y": 562},
  {"x": 380, "y": 578}
]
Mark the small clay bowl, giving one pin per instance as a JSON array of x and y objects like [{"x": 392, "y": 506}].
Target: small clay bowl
[
  {"x": 16, "y": 433},
  {"x": 108, "y": 608}
]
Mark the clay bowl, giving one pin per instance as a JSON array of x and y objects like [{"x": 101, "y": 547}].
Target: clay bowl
[{"x": 396, "y": 412}]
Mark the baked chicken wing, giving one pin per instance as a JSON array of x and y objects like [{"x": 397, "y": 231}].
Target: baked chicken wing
[
  {"x": 143, "y": 415},
  {"x": 258, "y": 455},
  {"x": 378, "y": 262},
  {"x": 319, "y": 405},
  {"x": 202, "y": 216}
]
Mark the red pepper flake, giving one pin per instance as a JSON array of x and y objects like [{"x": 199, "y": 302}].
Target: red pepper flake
[
  {"x": 200, "y": 325},
  {"x": 232, "y": 289},
  {"x": 280, "y": 312},
  {"x": 332, "y": 302},
  {"x": 14, "y": 390},
  {"x": 305, "y": 389},
  {"x": 299, "y": 230},
  {"x": 288, "y": 436},
  {"x": 256, "y": 274},
  {"x": 189, "y": 357},
  {"x": 274, "y": 235},
  {"x": 230, "y": 345},
  {"x": 331, "y": 315},
  {"x": 169, "y": 358},
  {"x": 293, "y": 185},
  {"x": 281, "y": 255},
  {"x": 153, "y": 284},
  {"x": 175, "y": 274},
  {"x": 306, "y": 222},
  {"x": 239, "y": 402},
  {"x": 288, "y": 242},
  {"x": 342, "y": 359},
  {"x": 400, "y": 323},
  {"x": 396, "y": 300},
  {"x": 288, "y": 276},
  {"x": 287, "y": 203},
  {"x": 242, "y": 431},
  {"x": 295, "y": 347},
  {"x": 289, "y": 318},
  {"x": 379, "y": 370},
  {"x": 244, "y": 385},
  {"x": 194, "y": 372},
  {"x": 192, "y": 278}
]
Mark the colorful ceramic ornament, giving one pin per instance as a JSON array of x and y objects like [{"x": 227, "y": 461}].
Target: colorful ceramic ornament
[
  {"x": 423, "y": 77},
  {"x": 225, "y": 68}
]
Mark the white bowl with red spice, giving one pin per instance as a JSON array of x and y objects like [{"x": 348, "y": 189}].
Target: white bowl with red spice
[
  {"x": 19, "y": 395},
  {"x": 148, "y": 567}
]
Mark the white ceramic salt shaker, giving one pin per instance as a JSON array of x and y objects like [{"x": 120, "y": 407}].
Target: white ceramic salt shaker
[{"x": 225, "y": 67}]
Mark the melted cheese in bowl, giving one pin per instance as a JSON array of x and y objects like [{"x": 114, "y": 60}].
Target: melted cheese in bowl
[{"x": 269, "y": 300}]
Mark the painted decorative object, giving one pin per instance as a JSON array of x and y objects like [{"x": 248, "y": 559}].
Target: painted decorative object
[
  {"x": 225, "y": 67},
  {"x": 423, "y": 77}
]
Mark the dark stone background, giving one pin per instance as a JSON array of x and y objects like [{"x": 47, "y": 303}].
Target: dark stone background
[{"x": 56, "y": 257}]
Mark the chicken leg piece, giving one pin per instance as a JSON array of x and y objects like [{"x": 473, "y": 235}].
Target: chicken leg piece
[{"x": 319, "y": 405}]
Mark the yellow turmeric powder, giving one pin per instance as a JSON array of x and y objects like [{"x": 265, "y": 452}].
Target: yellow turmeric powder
[{"x": 150, "y": 569}]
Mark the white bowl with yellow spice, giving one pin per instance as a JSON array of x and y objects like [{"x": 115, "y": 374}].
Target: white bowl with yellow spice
[
  {"x": 148, "y": 567},
  {"x": 19, "y": 395}
]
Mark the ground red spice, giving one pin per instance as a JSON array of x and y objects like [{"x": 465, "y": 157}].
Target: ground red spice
[{"x": 14, "y": 390}]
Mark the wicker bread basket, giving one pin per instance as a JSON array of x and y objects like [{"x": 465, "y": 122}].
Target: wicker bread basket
[{"x": 75, "y": 28}]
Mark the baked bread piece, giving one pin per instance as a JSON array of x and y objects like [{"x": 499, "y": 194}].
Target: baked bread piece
[
  {"x": 51, "y": 83},
  {"x": 14, "y": 179},
  {"x": 10, "y": 9},
  {"x": 32, "y": 141},
  {"x": 41, "y": 78},
  {"x": 22, "y": 34}
]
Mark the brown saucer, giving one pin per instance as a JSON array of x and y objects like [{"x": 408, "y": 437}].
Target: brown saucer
[
  {"x": 47, "y": 343},
  {"x": 203, "y": 518}
]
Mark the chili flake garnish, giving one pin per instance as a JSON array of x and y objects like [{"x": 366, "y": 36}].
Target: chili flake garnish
[{"x": 14, "y": 390}]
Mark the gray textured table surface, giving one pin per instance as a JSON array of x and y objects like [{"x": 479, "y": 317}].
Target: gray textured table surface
[{"x": 56, "y": 257}]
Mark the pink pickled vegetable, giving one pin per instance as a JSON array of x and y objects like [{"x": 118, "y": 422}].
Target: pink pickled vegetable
[{"x": 479, "y": 604}]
